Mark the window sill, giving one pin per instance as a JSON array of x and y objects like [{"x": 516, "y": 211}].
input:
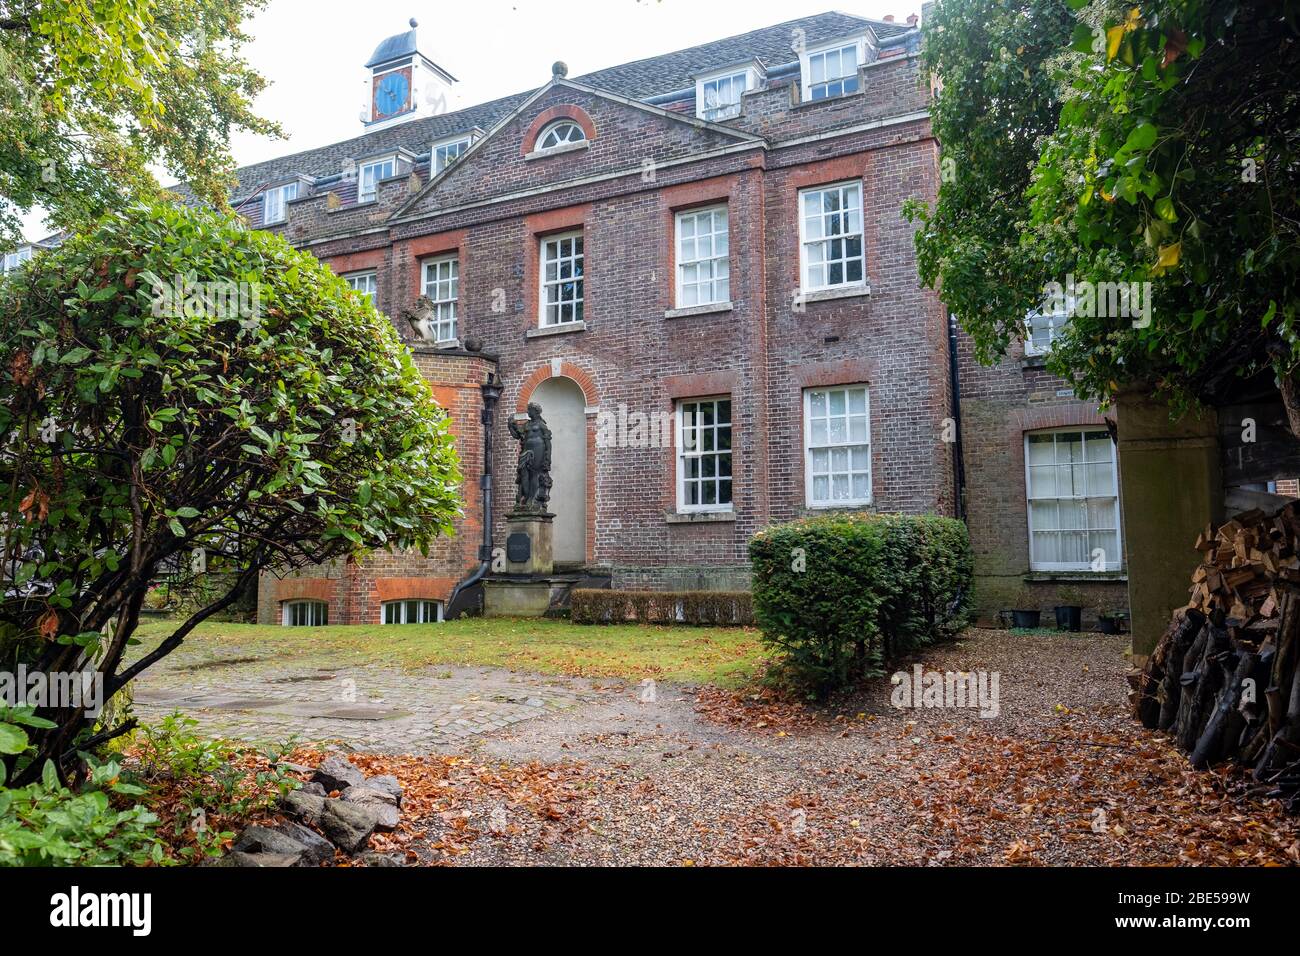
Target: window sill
[
  {"x": 545, "y": 330},
  {"x": 845, "y": 292},
  {"x": 698, "y": 517},
  {"x": 1037, "y": 360},
  {"x": 847, "y": 508},
  {"x": 804, "y": 104},
  {"x": 1082, "y": 576},
  {"x": 690, "y": 310},
  {"x": 558, "y": 150}
]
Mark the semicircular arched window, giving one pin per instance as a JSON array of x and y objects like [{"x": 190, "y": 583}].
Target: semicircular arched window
[{"x": 560, "y": 133}]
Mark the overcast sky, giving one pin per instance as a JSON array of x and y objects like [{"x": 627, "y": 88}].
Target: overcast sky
[{"x": 313, "y": 51}]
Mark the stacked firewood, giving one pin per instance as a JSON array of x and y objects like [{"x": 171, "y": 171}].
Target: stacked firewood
[{"x": 1223, "y": 679}]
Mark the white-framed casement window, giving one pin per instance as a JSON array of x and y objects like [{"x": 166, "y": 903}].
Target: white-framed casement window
[
  {"x": 560, "y": 133},
  {"x": 12, "y": 260},
  {"x": 704, "y": 454},
  {"x": 442, "y": 288},
  {"x": 1044, "y": 327},
  {"x": 562, "y": 283},
  {"x": 412, "y": 612},
  {"x": 831, "y": 253},
  {"x": 306, "y": 614},
  {"x": 1072, "y": 484},
  {"x": 370, "y": 175},
  {"x": 837, "y": 446},
  {"x": 367, "y": 283},
  {"x": 703, "y": 257},
  {"x": 832, "y": 70},
  {"x": 446, "y": 153},
  {"x": 275, "y": 203}
]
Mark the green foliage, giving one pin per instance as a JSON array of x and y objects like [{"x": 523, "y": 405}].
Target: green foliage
[
  {"x": 95, "y": 93},
  {"x": 999, "y": 97},
  {"x": 1176, "y": 162},
  {"x": 145, "y": 436},
  {"x": 211, "y": 787},
  {"x": 839, "y": 596},
  {"x": 609, "y": 606},
  {"x": 45, "y": 824},
  {"x": 1117, "y": 143}
]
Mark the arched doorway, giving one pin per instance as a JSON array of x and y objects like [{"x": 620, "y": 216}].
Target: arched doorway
[{"x": 564, "y": 408}]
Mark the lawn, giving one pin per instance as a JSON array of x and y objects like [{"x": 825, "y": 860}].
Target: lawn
[{"x": 723, "y": 656}]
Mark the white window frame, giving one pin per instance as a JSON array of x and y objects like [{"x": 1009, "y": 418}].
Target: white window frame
[
  {"x": 1113, "y": 492},
  {"x": 697, "y": 452},
  {"x": 437, "y": 159},
  {"x": 13, "y": 260},
  {"x": 422, "y": 608},
  {"x": 357, "y": 279},
  {"x": 859, "y": 45},
  {"x": 806, "y": 284},
  {"x": 365, "y": 194},
  {"x": 748, "y": 78},
  {"x": 551, "y": 127},
  {"x": 718, "y": 264},
  {"x": 578, "y": 259},
  {"x": 1053, "y": 318},
  {"x": 808, "y": 447},
  {"x": 278, "y": 198},
  {"x": 313, "y": 609},
  {"x": 441, "y": 286}
]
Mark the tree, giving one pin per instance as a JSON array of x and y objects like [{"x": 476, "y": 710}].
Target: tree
[
  {"x": 1153, "y": 145},
  {"x": 1177, "y": 163},
  {"x": 997, "y": 99},
  {"x": 181, "y": 395},
  {"x": 93, "y": 93}
]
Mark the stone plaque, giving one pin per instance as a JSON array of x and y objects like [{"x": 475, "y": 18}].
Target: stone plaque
[{"x": 519, "y": 548}]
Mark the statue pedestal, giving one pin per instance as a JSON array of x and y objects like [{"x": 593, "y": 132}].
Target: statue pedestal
[
  {"x": 530, "y": 540},
  {"x": 524, "y": 587}
]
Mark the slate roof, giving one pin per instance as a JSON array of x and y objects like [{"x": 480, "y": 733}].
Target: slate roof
[
  {"x": 641, "y": 79},
  {"x": 403, "y": 44}
]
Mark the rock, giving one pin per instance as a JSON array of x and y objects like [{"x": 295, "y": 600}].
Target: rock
[
  {"x": 348, "y": 825},
  {"x": 335, "y": 773},
  {"x": 380, "y": 859},
  {"x": 293, "y": 767},
  {"x": 382, "y": 803},
  {"x": 289, "y": 839},
  {"x": 387, "y": 783},
  {"x": 313, "y": 788},
  {"x": 306, "y": 807},
  {"x": 242, "y": 858}
]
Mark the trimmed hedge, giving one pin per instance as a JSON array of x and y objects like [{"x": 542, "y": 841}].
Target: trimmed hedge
[
  {"x": 608, "y": 606},
  {"x": 839, "y": 596}
]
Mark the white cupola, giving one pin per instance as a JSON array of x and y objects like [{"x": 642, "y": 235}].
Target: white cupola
[{"x": 403, "y": 84}]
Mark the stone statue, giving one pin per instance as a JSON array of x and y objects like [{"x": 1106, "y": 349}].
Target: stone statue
[{"x": 533, "y": 474}]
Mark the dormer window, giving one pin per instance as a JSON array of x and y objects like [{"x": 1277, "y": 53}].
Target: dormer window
[
  {"x": 275, "y": 203},
  {"x": 718, "y": 95},
  {"x": 448, "y": 151},
  {"x": 371, "y": 174},
  {"x": 832, "y": 70},
  {"x": 560, "y": 133}
]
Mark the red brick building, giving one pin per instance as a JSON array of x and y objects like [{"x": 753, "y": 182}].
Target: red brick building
[{"x": 698, "y": 266}]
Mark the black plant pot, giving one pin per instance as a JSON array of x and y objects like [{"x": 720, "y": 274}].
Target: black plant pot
[
  {"x": 1025, "y": 619},
  {"x": 1069, "y": 617}
]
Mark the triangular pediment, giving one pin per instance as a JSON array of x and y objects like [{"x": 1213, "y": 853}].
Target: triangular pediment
[{"x": 624, "y": 137}]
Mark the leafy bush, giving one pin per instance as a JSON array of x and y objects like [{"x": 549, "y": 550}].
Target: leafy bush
[
  {"x": 45, "y": 824},
  {"x": 608, "y": 606},
  {"x": 186, "y": 397},
  {"x": 840, "y": 595},
  {"x": 207, "y": 785}
]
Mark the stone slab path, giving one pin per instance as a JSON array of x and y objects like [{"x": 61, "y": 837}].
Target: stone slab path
[{"x": 368, "y": 707}]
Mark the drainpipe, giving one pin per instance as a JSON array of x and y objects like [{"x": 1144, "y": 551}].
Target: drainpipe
[
  {"x": 491, "y": 395},
  {"x": 959, "y": 471}
]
